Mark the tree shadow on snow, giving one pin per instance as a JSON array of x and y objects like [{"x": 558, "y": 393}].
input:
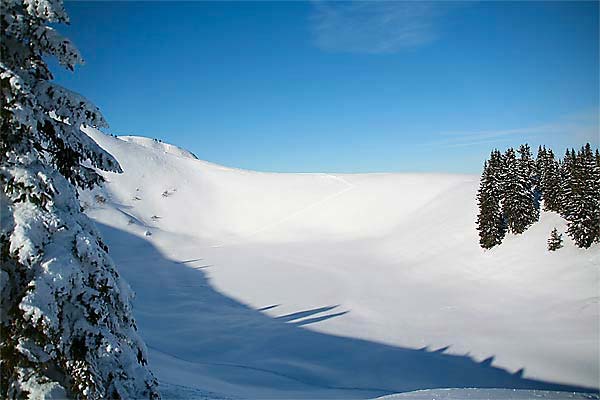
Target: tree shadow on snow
[
  {"x": 181, "y": 315},
  {"x": 305, "y": 313}
]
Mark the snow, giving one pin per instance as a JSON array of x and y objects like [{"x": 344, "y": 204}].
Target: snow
[
  {"x": 64, "y": 270},
  {"x": 268, "y": 285},
  {"x": 44, "y": 391},
  {"x": 483, "y": 394},
  {"x": 158, "y": 146}
]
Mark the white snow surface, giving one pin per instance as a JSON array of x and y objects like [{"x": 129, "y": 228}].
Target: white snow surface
[
  {"x": 486, "y": 394},
  {"x": 273, "y": 285},
  {"x": 159, "y": 146}
]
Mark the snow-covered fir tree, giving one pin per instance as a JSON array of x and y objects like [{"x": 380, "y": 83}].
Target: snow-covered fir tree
[
  {"x": 490, "y": 221},
  {"x": 592, "y": 166},
  {"x": 570, "y": 187},
  {"x": 541, "y": 165},
  {"x": 527, "y": 166},
  {"x": 566, "y": 171},
  {"x": 555, "y": 241},
  {"x": 519, "y": 204},
  {"x": 66, "y": 321},
  {"x": 581, "y": 201},
  {"x": 549, "y": 179},
  {"x": 531, "y": 192},
  {"x": 508, "y": 180}
]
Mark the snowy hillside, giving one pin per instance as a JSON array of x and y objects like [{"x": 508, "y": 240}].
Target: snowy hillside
[
  {"x": 483, "y": 394},
  {"x": 265, "y": 285},
  {"x": 159, "y": 146}
]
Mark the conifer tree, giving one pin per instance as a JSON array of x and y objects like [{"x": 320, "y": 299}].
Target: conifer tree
[
  {"x": 490, "y": 221},
  {"x": 532, "y": 193},
  {"x": 65, "y": 316},
  {"x": 550, "y": 186},
  {"x": 509, "y": 180},
  {"x": 555, "y": 241},
  {"x": 527, "y": 166},
  {"x": 570, "y": 187},
  {"x": 566, "y": 174},
  {"x": 581, "y": 201},
  {"x": 519, "y": 203},
  {"x": 541, "y": 166}
]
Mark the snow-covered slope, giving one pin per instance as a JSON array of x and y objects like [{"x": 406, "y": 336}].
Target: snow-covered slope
[
  {"x": 158, "y": 146},
  {"x": 266, "y": 285},
  {"x": 485, "y": 394}
]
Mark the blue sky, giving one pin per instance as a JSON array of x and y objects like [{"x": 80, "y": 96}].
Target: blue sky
[{"x": 344, "y": 86}]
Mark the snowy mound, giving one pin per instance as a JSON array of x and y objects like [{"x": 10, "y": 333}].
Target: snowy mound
[
  {"x": 266, "y": 285},
  {"x": 158, "y": 146}
]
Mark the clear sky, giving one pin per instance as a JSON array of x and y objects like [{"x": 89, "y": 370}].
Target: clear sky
[{"x": 342, "y": 87}]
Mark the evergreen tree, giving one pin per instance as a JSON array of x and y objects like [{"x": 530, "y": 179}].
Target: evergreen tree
[
  {"x": 550, "y": 186},
  {"x": 555, "y": 241},
  {"x": 527, "y": 165},
  {"x": 490, "y": 221},
  {"x": 65, "y": 316},
  {"x": 509, "y": 180},
  {"x": 581, "y": 202},
  {"x": 566, "y": 174},
  {"x": 516, "y": 184},
  {"x": 519, "y": 203},
  {"x": 541, "y": 166}
]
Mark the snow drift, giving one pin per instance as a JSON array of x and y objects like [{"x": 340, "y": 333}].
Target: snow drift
[{"x": 267, "y": 285}]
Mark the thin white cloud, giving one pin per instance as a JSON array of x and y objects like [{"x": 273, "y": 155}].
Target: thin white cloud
[
  {"x": 572, "y": 130},
  {"x": 374, "y": 26}
]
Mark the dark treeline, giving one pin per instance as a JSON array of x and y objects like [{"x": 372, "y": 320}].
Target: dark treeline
[{"x": 514, "y": 186}]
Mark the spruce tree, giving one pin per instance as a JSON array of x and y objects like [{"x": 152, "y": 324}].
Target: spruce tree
[
  {"x": 529, "y": 175},
  {"x": 555, "y": 241},
  {"x": 566, "y": 174},
  {"x": 519, "y": 201},
  {"x": 509, "y": 180},
  {"x": 65, "y": 316},
  {"x": 550, "y": 186},
  {"x": 581, "y": 202},
  {"x": 541, "y": 166},
  {"x": 490, "y": 221},
  {"x": 527, "y": 166}
]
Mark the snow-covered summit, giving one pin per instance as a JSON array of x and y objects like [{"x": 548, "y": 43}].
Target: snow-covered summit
[
  {"x": 158, "y": 145},
  {"x": 270, "y": 285}
]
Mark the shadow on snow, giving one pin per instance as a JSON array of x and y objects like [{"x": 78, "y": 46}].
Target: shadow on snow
[{"x": 181, "y": 315}]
